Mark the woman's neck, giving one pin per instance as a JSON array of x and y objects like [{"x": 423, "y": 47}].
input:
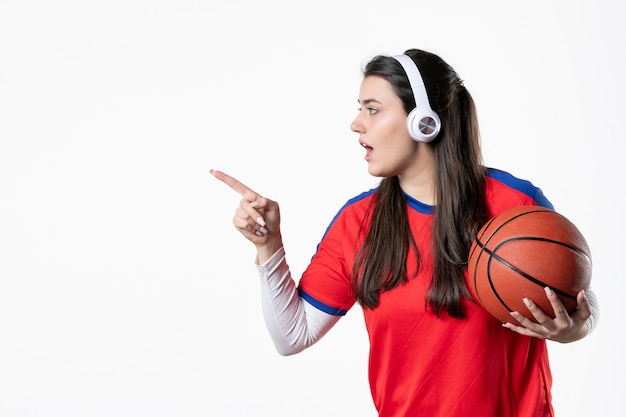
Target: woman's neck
[{"x": 419, "y": 180}]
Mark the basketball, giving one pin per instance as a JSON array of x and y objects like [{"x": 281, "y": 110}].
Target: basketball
[{"x": 521, "y": 251}]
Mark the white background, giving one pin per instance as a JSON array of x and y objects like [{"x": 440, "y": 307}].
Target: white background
[{"x": 124, "y": 288}]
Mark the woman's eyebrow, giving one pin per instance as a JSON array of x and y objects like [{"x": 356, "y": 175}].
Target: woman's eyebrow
[{"x": 368, "y": 101}]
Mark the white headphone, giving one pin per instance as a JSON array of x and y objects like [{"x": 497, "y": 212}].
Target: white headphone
[{"x": 423, "y": 123}]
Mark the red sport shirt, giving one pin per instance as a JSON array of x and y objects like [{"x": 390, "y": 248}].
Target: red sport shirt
[{"x": 421, "y": 364}]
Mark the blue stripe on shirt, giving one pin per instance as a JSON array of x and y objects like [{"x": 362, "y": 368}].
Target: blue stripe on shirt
[{"x": 319, "y": 305}]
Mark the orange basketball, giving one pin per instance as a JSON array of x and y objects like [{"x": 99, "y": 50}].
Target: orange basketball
[{"x": 521, "y": 251}]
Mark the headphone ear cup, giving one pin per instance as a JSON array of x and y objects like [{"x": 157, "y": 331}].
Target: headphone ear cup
[{"x": 424, "y": 125}]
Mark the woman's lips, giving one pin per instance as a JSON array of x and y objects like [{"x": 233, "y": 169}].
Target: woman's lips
[{"x": 368, "y": 151}]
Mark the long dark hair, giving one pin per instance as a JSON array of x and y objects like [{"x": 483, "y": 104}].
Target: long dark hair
[{"x": 460, "y": 208}]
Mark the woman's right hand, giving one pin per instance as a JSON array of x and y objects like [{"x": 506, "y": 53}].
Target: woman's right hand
[{"x": 257, "y": 218}]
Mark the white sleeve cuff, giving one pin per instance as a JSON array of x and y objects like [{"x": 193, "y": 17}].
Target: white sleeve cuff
[{"x": 594, "y": 305}]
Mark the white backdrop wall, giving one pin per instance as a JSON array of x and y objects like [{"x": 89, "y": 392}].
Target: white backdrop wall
[{"x": 124, "y": 288}]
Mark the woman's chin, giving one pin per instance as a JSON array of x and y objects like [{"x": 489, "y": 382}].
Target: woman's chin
[{"x": 375, "y": 172}]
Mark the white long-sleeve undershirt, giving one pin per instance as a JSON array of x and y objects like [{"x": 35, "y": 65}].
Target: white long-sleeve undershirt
[{"x": 293, "y": 324}]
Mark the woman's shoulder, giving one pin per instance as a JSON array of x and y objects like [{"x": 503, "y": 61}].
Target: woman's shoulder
[
  {"x": 358, "y": 203},
  {"x": 351, "y": 213},
  {"x": 504, "y": 188}
]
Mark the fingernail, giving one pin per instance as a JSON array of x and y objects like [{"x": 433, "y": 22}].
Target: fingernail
[
  {"x": 263, "y": 229},
  {"x": 548, "y": 291},
  {"x": 259, "y": 234},
  {"x": 254, "y": 204},
  {"x": 260, "y": 221},
  {"x": 528, "y": 302}
]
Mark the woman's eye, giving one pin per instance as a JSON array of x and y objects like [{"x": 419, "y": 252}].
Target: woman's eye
[{"x": 370, "y": 110}]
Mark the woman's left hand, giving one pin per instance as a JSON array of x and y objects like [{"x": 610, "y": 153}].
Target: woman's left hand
[{"x": 564, "y": 328}]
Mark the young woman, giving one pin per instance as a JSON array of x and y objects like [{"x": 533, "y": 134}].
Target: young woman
[{"x": 400, "y": 251}]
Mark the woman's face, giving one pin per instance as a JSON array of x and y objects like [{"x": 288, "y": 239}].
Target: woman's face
[{"x": 381, "y": 125}]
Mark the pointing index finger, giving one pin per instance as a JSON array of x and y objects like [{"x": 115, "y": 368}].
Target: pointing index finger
[{"x": 235, "y": 184}]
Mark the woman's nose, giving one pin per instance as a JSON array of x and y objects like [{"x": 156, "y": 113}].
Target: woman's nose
[{"x": 356, "y": 125}]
